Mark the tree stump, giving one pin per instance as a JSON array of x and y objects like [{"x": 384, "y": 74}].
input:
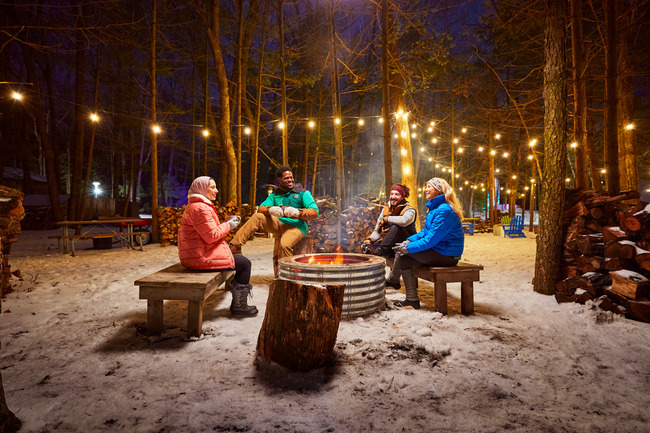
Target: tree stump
[{"x": 300, "y": 324}]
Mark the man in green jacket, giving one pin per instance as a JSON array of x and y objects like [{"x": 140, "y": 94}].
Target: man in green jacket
[{"x": 284, "y": 213}]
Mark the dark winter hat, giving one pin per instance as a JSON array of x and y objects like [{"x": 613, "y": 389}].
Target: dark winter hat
[{"x": 402, "y": 189}]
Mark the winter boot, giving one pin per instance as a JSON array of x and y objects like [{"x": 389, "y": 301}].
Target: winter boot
[
  {"x": 239, "y": 306},
  {"x": 411, "y": 285}
]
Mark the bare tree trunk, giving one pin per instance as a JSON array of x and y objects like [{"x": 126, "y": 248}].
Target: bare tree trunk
[
  {"x": 385, "y": 98},
  {"x": 611, "y": 137},
  {"x": 230, "y": 193},
  {"x": 240, "y": 86},
  {"x": 338, "y": 140},
  {"x": 89, "y": 160},
  {"x": 549, "y": 244},
  {"x": 579, "y": 95},
  {"x": 283, "y": 86},
  {"x": 79, "y": 117},
  {"x": 154, "y": 136},
  {"x": 45, "y": 139},
  {"x": 627, "y": 155}
]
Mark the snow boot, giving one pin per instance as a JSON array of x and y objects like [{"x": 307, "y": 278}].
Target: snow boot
[
  {"x": 411, "y": 285},
  {"x": 239, "y": 306}
]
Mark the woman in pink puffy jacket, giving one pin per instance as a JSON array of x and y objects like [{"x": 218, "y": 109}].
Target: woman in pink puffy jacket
[{"x": 202, "y": 243}]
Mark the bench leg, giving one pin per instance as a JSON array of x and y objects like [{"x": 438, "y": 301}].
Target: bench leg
[
  {"x": 194, "y": 318},
  {"x": 467, "y": 297},
  {"x": 154, "y": 317},
  {"x": 440, "y": 293}
]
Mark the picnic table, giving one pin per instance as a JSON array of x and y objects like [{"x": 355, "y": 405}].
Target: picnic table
[{"x": 103, "y": 228}]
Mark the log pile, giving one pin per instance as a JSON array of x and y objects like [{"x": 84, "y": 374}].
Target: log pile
[
  {"x": 357, "y": 222},
  {"x": 169, "y": 220},
  {"x": 606, "y": 253},
  {"x": 11, "y": 212}
]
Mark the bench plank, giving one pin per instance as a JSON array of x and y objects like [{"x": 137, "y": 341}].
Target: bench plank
[
  {"x": 463, "y": 273},
  {"x": 180, "y": 284}
]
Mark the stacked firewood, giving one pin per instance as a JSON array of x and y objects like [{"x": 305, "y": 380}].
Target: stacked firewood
[
  {"x": 169, "y": 220},
  {"x": 11, "y": 212},
  {"x": 606, "y": 255},
  {"x": 357, "y": 222}
]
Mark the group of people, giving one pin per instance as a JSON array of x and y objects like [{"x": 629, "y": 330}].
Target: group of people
[{"x": 285, "y": 213}]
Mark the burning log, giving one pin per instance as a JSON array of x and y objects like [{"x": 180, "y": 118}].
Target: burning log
[{"x": 300, "y": 324}]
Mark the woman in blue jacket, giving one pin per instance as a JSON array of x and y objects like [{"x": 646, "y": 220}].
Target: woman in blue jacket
[{"x": 439, "y": 243}]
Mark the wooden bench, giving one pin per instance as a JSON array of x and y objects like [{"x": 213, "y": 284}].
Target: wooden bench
[
  {"x": 122, "y": 235},
  {"x": 463, "y": 273},
  {"x": 178, "y": 283}
]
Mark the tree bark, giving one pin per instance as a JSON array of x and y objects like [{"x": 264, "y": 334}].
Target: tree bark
[
  {"x": 627, "y": 154},
  {"x": 611, "y": 135},
  {"x": 300, "y": 324},
  {"x": 79, "y": 117},
  {"x": 224, "y": 102},
  {"x": 549, "y": 244},
  {"x": 385, "y": 97},
  {"x": 579, "y": 96}
]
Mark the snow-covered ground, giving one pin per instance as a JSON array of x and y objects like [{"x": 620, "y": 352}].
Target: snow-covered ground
[{"x": 75, "y": 357}]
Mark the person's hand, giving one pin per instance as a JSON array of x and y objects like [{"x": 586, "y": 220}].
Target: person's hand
[
  {"x": 401, "y": 248},
  {"x": 233, "y": 221},
  {"x": 291, "y": 212},
  {"x": 276, "y": 211}
]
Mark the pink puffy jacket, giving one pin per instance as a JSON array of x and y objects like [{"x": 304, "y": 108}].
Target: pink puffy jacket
[{"x": 202, "y": 239}]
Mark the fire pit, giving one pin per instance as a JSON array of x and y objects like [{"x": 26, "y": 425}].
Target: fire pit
[{"x": 363, "y": 276}]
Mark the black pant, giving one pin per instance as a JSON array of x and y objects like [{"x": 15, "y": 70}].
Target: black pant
[
  {"x": 424, "y": 258},
  {"x": 242, "y": 269},
  {"x": 395, "y": 234}
]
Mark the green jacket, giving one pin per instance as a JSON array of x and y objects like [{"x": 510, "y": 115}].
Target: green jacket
[{"x": 299, "y": 200}]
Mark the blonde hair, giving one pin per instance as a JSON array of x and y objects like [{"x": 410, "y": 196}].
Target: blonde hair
[{"x": 450, "y": 197}]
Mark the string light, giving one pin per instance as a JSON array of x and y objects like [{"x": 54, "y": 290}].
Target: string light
[
  {"x": 493, "y": 152},
  {"x": 361, "y": 122},
  {"x": 381, "y": 120},
  {"x": 498, "y": 136},
  {"x": 629, "y": 126},
  {"x": 506, "y": 154},
  {"x": 206, "y": 132},
  {"x": 337, "y": 121},
  {"x": 281, "y": 125},
  {"x": 464, "y": 130},
  {"x": 434, "y": 140},
  {"x": 247, "y": 131},
  {"x": 17, "y": 96},
  {"x": 533, "y": 142},
  {"x": 312, "y": 124},
  {"x": 455, "y": 140},
  {"x": 480, "y": 149},
  {"x": 94, "y": 117},
  {"x": 574, "y": 144},
  {"x": 156, "y": 129}
]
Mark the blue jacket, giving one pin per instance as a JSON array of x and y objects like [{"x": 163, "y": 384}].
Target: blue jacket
[{"x": 442, "y": 232}]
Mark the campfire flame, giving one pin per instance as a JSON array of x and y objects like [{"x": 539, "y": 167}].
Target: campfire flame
[{"x": 339, "y": 259}]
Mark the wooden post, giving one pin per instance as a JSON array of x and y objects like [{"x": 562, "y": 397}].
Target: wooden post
[{"x": 300, "y": 324}]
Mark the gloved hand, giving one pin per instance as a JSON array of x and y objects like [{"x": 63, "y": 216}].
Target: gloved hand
[
  {"x": 401, "y": 248},
  {"x": 276, "y": 211},
  {"x": 366, "y": 248},
  {"x": 291, "y": 212},
  {"x": 233, "y": 221}
]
